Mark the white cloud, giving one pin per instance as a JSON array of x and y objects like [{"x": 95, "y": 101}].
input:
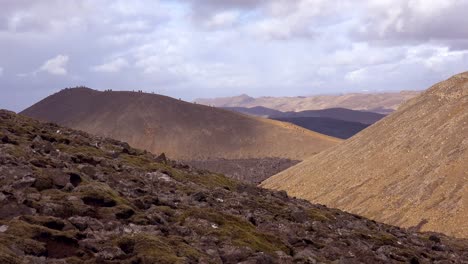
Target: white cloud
[
  {"x": 112, "y": 66},
  {"x": 357, "y": 75},
  {"x": 223, "y": 19},
  {"x": 56, "y": 65}
]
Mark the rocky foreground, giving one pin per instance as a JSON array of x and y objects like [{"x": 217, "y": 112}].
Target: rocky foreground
[{"x": 69, "y": 197}]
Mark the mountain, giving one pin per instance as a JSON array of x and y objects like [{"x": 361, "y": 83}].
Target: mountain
[
  {"x": 327, "y": 126},
  {"x": 336, "y": 122},
  {"x": 70, "y": 197},
  {"x": 409, "y": 168},
  {"x": 182, "y": 130},
  {"x": 344, "y": 114},
  {"x": 373, "y": 102},
  {"x": 256, "y": 111}
]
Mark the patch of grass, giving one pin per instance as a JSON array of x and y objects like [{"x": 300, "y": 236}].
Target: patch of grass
[
  {"x": 156, "y": 249},
  {"x": 383, "y": 238},
  {"x": 16, "y": 151},
  {"x": 25, "y": 236},
  {"x": 7, "y": 256},
  {"x": 240, "y": 232},
  {"x": 215, "y": 180},
  {"x": 97, "y": 192},
  {"x": 88, "y": 151},
  {"x": 141, "y": 162},
  {"x": 319, "y": 215}
]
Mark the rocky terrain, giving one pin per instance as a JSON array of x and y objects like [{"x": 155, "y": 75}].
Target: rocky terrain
[
  {"x": 248, "y": 170},
  {"x": 69, "y": 197},
  {"x": 409, "y": 168},
  {"x": 383, "y": 103},
  {"x": 180, "y": 129}
]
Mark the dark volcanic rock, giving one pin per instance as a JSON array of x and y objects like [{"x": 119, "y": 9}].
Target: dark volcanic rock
[
  {"x": 80, "y": 203},
  {"x": 248, "y": 170}
]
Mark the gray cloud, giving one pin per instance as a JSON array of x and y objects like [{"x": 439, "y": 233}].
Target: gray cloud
[
  {"x": 200, "y": 48},
  {"x": 415, "y": 21}
]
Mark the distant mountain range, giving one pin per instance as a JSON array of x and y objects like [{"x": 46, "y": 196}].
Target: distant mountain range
[
  {"x": 409, "y": 169},
  {"x": 336, "y": 122},
  {"x": 383, "y": 103}
]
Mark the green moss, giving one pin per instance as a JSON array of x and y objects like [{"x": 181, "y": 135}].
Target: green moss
[
  {"x": 216, "y": 180},
  {"x": 209, "y": 180},
  {"x": 383, "y": 238},
  {"x": 319, "y": 215},
  {"x": 156, "y": 249},
  {"x": 273, "y": 208},
  {"x": 23, "y": 229},
  {"x": 24, "y": 236},
  {"x": 7, "y": 256},
  {"x": 88, "y": 151},
  {"x": 16, "y": 151},
  {"x": 47, "y": 221},
  {"x": 100, "y": 191},
  {"x": 141, "y": 162},
  {"x": 237, "y": 230}
]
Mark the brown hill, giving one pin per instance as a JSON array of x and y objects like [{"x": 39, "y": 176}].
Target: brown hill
[
  {"x": 180, "y": 129},
  {"x": 374, "y": 102},
  {"x": 409, "y": 168}
]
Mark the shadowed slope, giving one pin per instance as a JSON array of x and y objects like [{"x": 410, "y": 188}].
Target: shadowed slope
[
  {"x": 328, "y": 126},
  {"x": 182, "y": 130},
  {"x": 410, "y": 166},
  {"x": 336, "y": 122},
  {"x": 333, "y": 113}
]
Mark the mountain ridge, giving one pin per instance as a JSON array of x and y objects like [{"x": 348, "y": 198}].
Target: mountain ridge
[
  {"x": 183, "y": 130},
  {"x": 408, "y": 168},
  {"x": 374, "y": 102}
]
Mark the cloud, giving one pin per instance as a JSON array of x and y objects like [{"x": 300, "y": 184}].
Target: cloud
[
  {"x": 413, "y": 21},
  {"x": 222, "y": 19},
  {"x": 112, "y": 66},
  {"x": 196, "y": 48},
  {"x": 56, "y": 65},
  {"x": 1, "y": 71},
  {"x": 38, "y": 16}
]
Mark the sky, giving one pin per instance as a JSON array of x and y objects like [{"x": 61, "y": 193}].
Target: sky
[{"x": 210, "y": 48}]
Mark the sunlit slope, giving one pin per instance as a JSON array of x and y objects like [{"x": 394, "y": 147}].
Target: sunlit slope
[{"x": 410, "y": 166}]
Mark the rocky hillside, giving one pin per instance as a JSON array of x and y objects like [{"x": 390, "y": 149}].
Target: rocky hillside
[
  {"x": 69, "y": 197},
  {"x": 248, "y": 170},
  {"x": 182, "y": 130},
  {"x": 409, "y": 168},
  {"x": 383, "y": 103}
]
